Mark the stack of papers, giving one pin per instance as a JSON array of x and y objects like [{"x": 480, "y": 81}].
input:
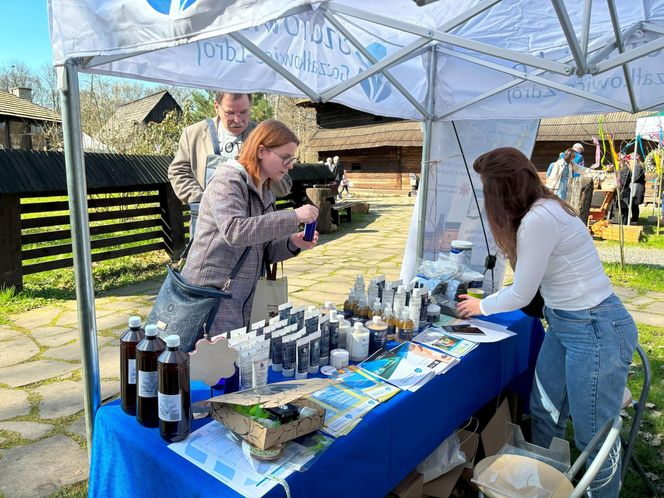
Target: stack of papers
[
  {"x": 344, "y": 408},
  {"x": 435, "y": 338},
  {"x": 408, "y": 366},
  {"x": 371, "y": 386}
]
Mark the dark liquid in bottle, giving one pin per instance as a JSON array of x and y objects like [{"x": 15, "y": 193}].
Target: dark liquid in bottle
[
  {"x": 128, "y": 343},
  {"x": 147, "y": 353},
  {"x": 174, "y": 395}
]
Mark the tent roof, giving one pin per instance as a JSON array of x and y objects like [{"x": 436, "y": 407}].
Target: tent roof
[
  {"x": 482, "y": 59},
  {"x": 11, "y": 105}
]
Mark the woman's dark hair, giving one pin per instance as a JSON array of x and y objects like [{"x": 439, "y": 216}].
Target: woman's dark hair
[
  {"x": 569, "y": 155},
  {"x": 511, "y": 186}
]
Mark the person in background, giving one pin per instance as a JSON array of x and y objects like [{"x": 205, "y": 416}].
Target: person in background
[
  {"x": 238, "y": 211},
  {"x": 328, "y": 163},
  {"x": 345, "y": 183},
  {"x": 559, "y": 175},
  {"x": 196, "y": 159},
  {"x": 639, "y": 185},
  {"x": 578, "y": 158},
  {"x": 624, "y": 189},
  {"x": 581, "y": 369},
  {"x": 338, "y": 172}
]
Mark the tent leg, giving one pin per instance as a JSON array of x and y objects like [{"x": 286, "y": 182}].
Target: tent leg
[
  {"x": 426, "y": 154},
  {"x": 78, "y": 209}
]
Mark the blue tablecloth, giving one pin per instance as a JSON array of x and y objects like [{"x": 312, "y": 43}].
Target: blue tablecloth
[{"x": 131, "y": 460}]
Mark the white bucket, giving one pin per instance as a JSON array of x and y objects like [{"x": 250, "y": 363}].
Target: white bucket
[{"x": 461, "y": 252}]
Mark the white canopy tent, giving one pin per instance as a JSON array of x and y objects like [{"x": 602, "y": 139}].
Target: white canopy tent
[{"x": 479, "y": 59}]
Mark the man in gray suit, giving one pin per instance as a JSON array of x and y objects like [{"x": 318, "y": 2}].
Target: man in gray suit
[{"x": 196, "y": 160}]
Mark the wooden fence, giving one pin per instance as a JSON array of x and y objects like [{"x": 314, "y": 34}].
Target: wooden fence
[{"x": 123, "y": 221}]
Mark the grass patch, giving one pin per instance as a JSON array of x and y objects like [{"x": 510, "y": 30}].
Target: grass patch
[
  {"x": 55, "y": 286},
  {"x": 640, "y": 277},
  {"x": 79, "y": 490}
]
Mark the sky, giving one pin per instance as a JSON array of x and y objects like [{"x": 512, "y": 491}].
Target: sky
[{"x": 24, "y": 34}]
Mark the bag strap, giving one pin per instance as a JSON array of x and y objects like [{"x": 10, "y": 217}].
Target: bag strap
[
  {"x": 214, "y": 136},
  {"x": 235, "y": 271}
]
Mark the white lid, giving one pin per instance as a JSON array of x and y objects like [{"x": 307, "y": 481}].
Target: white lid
[
  {"x": 433, "y": 307},
  {"x": 173, "y": 341},
  {"x": 358, "y": 326},
  {"x": 328, "y": 370},
  {"x": 151, "y": 330},
  {"x": 135, "y": 322},
  {"x": 339, "y": 353},
  {"x": 311, "y": 309},
  {"x": 329, "y": 304},
  {"x": 333, "y": 316},
  {"x": 462, "y": 244},
  {"x": 377, "y": 319},
  {"x": 300, "y": 376}
]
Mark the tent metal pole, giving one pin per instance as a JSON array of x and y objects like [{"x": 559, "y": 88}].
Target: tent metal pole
[
  {"x": 78, "y": 209},
  {"x": 621, "y": 48},
  {"x": 426, "y": 157},
  {"x": 585, "y": 29},
  {"x": 459, "y": 41},
  {"x": 568, "y": 31},
  {"x": 408, "y": 52},
  {"x": 246, "y": 43},
  {"x": 611, "y": 45},
  {"x": 629, "y": 56},
  {"x": 649, "y": 26},
  {"x": 361, "y": 48}
]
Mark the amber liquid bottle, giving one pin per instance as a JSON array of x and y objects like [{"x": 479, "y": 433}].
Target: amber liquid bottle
[
  {"x": 128, "y": 342},
  {"x": 147, "y": 379},
  {"x": 174, "y": 393}
]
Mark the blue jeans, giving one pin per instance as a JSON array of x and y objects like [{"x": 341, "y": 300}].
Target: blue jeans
[{"x": 582, "y": 371}]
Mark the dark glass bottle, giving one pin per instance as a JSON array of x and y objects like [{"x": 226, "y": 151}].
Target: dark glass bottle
[
  {"x": 147, "y": 380},
  {"x": 174, "y": 394},
  {"x": 128, "y": 342}
]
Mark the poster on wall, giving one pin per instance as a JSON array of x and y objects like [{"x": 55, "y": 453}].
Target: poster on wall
[{"x": 452, "y": 211}]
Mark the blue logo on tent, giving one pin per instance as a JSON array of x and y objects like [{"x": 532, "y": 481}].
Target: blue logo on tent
[
  {"x": 376, "y": 87},
  {"x": 164, "y": 6}
]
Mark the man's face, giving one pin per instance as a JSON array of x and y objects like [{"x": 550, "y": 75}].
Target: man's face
[{"x": 234, "y": 114}]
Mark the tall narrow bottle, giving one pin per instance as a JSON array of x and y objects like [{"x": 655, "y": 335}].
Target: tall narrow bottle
[
  {"x": 334, "y": 330},
  {"x": 405, "y": 327},
  {"x": 128, "y": 343},
  {"x": 348, "y": 305},
  {"x": 174, "y": 395},
  {"x": 147, "y": 380},
  {"x": 391, "y": 324}
]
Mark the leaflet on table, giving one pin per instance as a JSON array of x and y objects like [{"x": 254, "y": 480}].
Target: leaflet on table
[
  {"x": 213, "y": 450},
  {"x": 435, "y": 338},
  {"x": 492, "y": 331},
  {"x": 409, "y": 365},
  {"x": 344, "y": 408},
  {"x": 371, "y": 386}
]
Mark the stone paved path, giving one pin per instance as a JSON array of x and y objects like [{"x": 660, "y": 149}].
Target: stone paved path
[{"x": 41, "y": 392}]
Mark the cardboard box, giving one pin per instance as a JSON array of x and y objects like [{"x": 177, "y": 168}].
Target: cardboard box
[
  {"x": 270, "y": 396},
  {"x": 493, "y": 435},
  {"x": 442, "y": 486},
  {"x": 409, "y": 487}
]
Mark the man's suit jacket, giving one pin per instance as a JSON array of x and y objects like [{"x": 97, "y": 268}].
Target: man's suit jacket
[{"x": 187, "y": 171}]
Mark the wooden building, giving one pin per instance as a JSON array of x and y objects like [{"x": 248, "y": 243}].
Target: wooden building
[
  {"x": 24, "y": 124},
  {"x": 379, "y": 152}
]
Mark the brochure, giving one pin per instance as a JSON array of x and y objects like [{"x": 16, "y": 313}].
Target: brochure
[
  {"x": 371, "y": 386},
  {"x": 435, "y": 338},
  {"x": 409, "y": 365},
  {"x": 344, "y": 408}
]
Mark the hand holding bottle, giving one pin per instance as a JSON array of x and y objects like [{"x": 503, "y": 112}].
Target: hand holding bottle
[{"x": 306, "y": 213}]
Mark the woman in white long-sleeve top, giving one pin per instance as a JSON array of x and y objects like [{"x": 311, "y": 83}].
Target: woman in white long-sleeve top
[
  {"x": 238, "y": 211},
  {"x": 582, "y": 367}
]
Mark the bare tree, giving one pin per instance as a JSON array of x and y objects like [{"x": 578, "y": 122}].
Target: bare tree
[{"x": 300, "y": 119}]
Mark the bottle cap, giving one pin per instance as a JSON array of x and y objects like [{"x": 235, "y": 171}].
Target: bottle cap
[
  {"x": 358, "y": 326},
  {"x": 135, "y": 322},
  {"x": 377, "y": 319},
  {"x": 151, "y": 330},
  {"x": 173, "y": 341},
  {"x": 329, "y": 304},
  {"x": 311, "y": 309},
  {"x": 300, "y": 376},
  {"x": 333, "y": 316}
]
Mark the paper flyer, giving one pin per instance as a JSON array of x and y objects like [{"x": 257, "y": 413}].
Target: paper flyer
[
  {"x": 409, "y": 365},
  {"x": 213, "y": 449},
  {"x": 448, "y": 344},
  {"x": 344, "y": 408},
  {"x": 369, "y": 385}
]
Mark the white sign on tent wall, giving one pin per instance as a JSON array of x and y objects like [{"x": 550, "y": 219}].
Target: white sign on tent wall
[{"x": 451, "y": 211}]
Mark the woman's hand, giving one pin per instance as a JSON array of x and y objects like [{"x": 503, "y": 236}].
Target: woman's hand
[
  {"x": 298, "y": 240},
  {"x": 470, "y": 306},
  {"x": 306, "y": 213}
]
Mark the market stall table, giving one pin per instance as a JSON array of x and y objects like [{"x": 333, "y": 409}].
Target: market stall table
[{"x": 130, "y": 460}]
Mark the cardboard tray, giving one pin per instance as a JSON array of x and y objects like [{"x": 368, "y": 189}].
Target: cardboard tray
[{"x": 271, "y": 396}]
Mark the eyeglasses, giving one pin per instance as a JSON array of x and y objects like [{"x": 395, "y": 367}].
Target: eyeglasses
[
  {"x": 241, "y": 114},
  {"x": 285, "y": 158}
]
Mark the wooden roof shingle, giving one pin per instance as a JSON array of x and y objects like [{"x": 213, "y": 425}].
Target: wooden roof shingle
[{"x": 11, "y": 105}]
